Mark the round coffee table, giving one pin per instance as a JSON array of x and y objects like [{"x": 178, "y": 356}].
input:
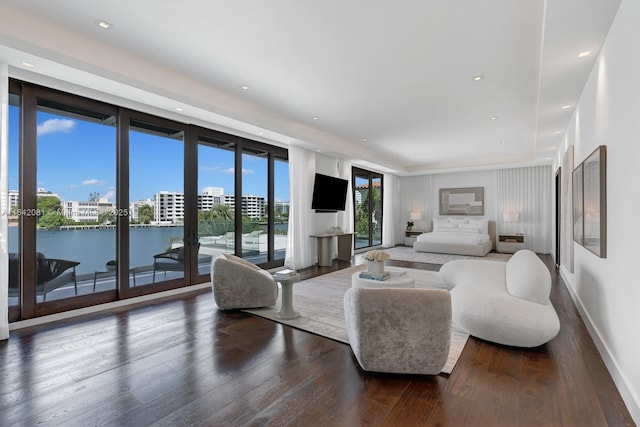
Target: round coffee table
[{"x": 395, "y": 281}]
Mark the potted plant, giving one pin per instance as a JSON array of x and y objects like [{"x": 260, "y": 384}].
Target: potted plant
[{"x": 409, "y": 225}]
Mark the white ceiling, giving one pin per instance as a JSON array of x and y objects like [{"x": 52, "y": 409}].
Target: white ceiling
[{"x": 398, "y": 74}]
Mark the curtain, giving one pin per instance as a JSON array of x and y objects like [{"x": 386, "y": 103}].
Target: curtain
[
  {"x": 389, "y": 215},
  {"x": 346, "y": 218},
  {"x": 527, "y": 192},
  {"x": 416, "y": 196},
  {"x": 300, "y": 253},
  {"x": 4, "y": 206}
]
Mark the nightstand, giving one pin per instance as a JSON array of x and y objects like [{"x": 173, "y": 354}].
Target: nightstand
[
  {"x": 411, "y": 236},
  {"x": 510, "y": 243}
]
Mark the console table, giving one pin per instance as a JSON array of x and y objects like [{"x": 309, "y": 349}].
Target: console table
[{"x": 325, "y": 243}]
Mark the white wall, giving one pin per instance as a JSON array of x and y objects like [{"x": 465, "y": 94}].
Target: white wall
[{"x": 607, "y": 291}]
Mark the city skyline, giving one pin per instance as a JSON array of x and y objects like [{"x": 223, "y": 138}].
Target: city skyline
[{"x": 77, "y": 158}]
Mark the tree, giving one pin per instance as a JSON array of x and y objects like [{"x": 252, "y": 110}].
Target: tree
[
  {"x": 108, "y": 217},
  {"x": 48, "y": 204},
  {"x": 216, "y": 221},
  {"x": 145, "y": 214},
  {"x": 53, "y": 219},
  {"x": 94, "y": 197}
]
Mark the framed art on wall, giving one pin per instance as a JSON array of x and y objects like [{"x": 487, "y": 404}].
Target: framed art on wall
[
  {"x": 590, "y": 202},
  {"x": 462, "y": 201},
  {"x": 577, "y": 205}
]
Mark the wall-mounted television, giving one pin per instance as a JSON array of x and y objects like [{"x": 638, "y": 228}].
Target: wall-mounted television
[{"x": 329, "y": 193}]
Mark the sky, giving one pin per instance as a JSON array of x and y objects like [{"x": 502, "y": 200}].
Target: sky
[{"x": 77, "y": 158}]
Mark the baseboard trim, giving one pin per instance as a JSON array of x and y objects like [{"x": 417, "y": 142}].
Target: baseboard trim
[
  {"x": 628, "y": 394},
  {"x": 104, "y": 307}
]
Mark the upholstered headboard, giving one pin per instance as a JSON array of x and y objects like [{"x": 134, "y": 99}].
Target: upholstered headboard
[{"x": 491, "y": 226}]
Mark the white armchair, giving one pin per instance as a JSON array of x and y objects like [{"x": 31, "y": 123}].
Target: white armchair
[
  {"x": 405, "y": 331},
  {"x": 238, "y": 284}
]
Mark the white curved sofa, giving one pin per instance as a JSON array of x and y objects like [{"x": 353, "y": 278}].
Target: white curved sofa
[{"x": 506, "y": 303}]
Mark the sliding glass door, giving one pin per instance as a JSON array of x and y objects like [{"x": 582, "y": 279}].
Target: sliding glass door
[
  {"x": 367, "y": 200},
  {"x": 106, "y": 203}
]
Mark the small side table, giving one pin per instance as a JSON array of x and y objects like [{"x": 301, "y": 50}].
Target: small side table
[
  {"x": 410, "y": 237},
  {"x": 286, "y": 310},
  {"x": 510, "y": 243}
]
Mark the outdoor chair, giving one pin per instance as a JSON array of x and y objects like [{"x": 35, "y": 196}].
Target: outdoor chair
[
  {"x": 173, "y": 260},
  {"x": 51, "y": 273}
]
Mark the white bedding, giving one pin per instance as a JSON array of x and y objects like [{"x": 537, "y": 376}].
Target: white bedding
[{"x": 454, "y": 236}]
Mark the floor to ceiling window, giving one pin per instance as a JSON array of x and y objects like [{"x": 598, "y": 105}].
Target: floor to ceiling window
[
  {"x": 367, "y": 193},
  {"x": 76, "y": 183},
  {"x": 281, "y": 207},
  {"x": 13, "y": 204},
  {"x": 156, "y": 184},
  {"x": 216, "y": 186},
  {"x": 107, "y": 203}
]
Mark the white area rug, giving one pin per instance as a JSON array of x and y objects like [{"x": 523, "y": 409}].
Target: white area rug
[
  {"x": 406, "y": 253},
  {"x": 319, "y": 301}
]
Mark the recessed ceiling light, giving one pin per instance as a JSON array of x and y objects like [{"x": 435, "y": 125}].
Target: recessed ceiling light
[
  {"x": 558, "y": 132},
  {"x": 315, "y": 118},
  {"x": 584, "y": 54},
  {"x": 260, "y": 133},
  {"x": 478, "y": 78},
  {"x": 28, "y": 64},
  {"x": 566, "y": 107},
  {"x": 245, "y": 87},
  {"x": 364, "y": 139},
  {"x": 103, "y": 24},
  {"x": 494, "y": 118},
  {"x": 503, "y": 142},
  {"x": 179, "y": 109}
]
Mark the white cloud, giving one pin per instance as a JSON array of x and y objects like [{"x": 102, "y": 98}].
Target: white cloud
[
  {"x": 88, "y": 182},
  {"x": 55, "y": 125},
  {"x": 111, "y": 194},
  {"x": 230, "y": 170}
]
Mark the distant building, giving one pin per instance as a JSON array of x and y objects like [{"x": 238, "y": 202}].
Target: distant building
[
  {"x": 252, "y": 206},
  {"x": 43, "y": 192},
  {"x": 135, "y": 206},
  {"x": 87, "y": 211},
  {"x": 13, "y": 199},
  {"x": 282, "y": 208},
  {"x": 210, "y": 197},
  {"x": 168, "y": 207}
]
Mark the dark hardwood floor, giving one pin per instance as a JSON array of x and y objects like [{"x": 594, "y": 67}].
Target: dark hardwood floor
[{"x": 182, "y": 362}]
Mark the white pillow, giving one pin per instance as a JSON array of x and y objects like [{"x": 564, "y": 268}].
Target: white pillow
[
  {"x": 440, "y": 221},
  {"x": 459, "y": 220},
  {"x": 482, "y": 224},
  {"x": 470, "y": 228},
  {"x": 528, "y": 278},
  {"x": 445, "y": 227}
]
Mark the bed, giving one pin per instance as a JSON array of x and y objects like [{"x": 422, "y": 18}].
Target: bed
[{"x": 458, "y": 236}]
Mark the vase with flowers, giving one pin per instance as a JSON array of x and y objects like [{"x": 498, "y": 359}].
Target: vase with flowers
[{"x": 375, "y": 261}]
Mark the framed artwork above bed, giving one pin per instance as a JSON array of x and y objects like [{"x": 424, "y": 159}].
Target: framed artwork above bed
[{"x": 462, "y": 201}]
